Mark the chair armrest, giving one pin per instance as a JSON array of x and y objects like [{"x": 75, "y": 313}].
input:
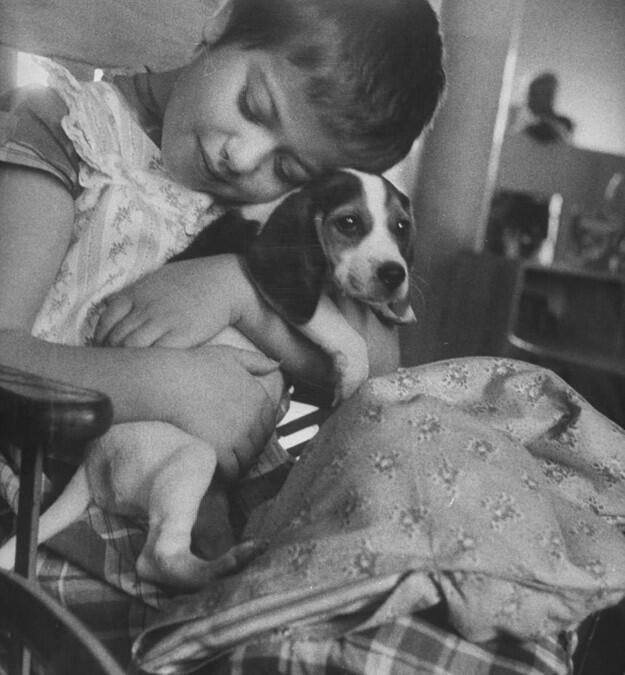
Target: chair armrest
[
  {"x": 39, "y": 415},
  {"x": 39, "y": 411}
]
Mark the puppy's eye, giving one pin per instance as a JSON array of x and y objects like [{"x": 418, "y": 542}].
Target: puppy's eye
[
  {"x": 402, "y": 228},
  {"x": 348, "y": 225}
]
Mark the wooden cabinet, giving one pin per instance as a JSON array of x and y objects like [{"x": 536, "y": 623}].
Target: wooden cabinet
[
  {"x": 569, "y": 320},
  {"x": 570, "y": 315},
  {"x": 573, "y": 322}
]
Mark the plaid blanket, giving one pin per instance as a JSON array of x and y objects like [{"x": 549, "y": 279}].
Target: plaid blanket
[
  {"x": 419, "y": 643},
  {"x": 405, "y": 646}
]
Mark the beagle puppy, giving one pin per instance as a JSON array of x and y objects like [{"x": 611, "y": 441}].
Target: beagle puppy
[{"x": 346, "y": 233}]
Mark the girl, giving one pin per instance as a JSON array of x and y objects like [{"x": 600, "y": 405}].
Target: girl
[{"x": 102, "y": 182}]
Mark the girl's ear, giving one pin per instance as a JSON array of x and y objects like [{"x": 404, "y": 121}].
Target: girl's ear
[
  {"x": 218, "y": 16},
  {"x": 286, "y": 260}
]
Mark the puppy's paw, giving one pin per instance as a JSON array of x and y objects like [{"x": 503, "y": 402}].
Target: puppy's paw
[
  {"x": 7, "y": 554},
  {"x": 237, "y": 557},
  {"x": 352, "y": 369},
  {"x": 172, "y": 564}
]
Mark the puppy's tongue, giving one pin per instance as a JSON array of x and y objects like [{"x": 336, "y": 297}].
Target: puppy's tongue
[{"x": 399, "y": 311}]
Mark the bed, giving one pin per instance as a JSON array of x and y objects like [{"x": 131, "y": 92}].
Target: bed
[{"x": 460, "y": 518}]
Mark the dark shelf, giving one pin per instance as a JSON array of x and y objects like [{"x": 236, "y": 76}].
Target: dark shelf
[
  {"x": 556, "y": 352},
  {"x": 570, "y": 315}
]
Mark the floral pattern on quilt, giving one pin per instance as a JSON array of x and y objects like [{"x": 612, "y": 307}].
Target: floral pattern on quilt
[{"x": 486, "y": 483}]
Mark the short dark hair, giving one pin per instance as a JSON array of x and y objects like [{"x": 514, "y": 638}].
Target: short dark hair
[{"x": 374, "y": 67}]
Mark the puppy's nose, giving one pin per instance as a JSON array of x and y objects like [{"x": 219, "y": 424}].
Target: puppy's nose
[{"x": 391, "y": 274}]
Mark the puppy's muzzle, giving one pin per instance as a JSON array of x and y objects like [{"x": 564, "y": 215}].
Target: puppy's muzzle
[{"x": 392, "y": 275}]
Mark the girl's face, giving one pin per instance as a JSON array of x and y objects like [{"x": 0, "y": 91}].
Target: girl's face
[{"x": 237, "y": 125}]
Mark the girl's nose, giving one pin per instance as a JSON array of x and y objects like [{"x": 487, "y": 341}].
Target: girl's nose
[{"x": 245, "y": 153}]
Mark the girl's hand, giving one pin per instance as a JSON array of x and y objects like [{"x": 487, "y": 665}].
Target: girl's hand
[
  {"x": 181, "y": 305},
  {"x": 186, "y": 304},
  {"x": 228, "y": 397}
]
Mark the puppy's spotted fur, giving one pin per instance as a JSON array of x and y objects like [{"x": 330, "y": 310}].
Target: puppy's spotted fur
[{"x": 346, "y": 233}]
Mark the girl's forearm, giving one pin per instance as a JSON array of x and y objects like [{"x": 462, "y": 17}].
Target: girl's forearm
[
  {"x": 225, "y": 396},
  {"x": 253, "y": 316},
  {"x": 132, "y": 378}
]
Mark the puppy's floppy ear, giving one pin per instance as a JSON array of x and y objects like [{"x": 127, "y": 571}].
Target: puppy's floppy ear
[
  {"x": 286, "y": 259},
  {"x": 230, "y": 233},
  {"x": 408, "y": 249}
]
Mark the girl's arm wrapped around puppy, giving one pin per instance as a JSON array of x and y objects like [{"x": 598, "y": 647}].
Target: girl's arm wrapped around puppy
[
  {"x": 173, "y": 385},
  {"x": 187, "y": 303}
]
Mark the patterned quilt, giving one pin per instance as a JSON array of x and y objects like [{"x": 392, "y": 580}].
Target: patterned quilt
[
  {"x": 457, "y": 518},
  {"x": 485, "y": 484}
]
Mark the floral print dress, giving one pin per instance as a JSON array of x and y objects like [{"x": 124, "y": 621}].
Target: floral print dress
[{"x": 130, "y": 216}]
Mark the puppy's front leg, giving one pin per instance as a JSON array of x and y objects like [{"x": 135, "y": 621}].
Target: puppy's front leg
[{"x": 330, "y": 330}]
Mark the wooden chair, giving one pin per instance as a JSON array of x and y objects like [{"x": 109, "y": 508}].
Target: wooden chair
[
  {"x": 57, "y": 641},
  {"x": 39, "y": 416}
]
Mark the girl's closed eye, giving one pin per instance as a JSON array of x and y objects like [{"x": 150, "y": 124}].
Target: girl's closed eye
[
  {"x": 257, "y": 106},
  {"x": 286, "y": 168},
  {"x": 248, "y": 106},
  {"x": 256, "y": 103}
]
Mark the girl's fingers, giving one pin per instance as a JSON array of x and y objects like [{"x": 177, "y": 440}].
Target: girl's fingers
[
  {"x": 125, "y": 327},
  {"x": 176, "y": 339},
  {"x": 255, "y": 363},
  {"x": 147, "y": 334},
  {"x": 112, "y": 310}
]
